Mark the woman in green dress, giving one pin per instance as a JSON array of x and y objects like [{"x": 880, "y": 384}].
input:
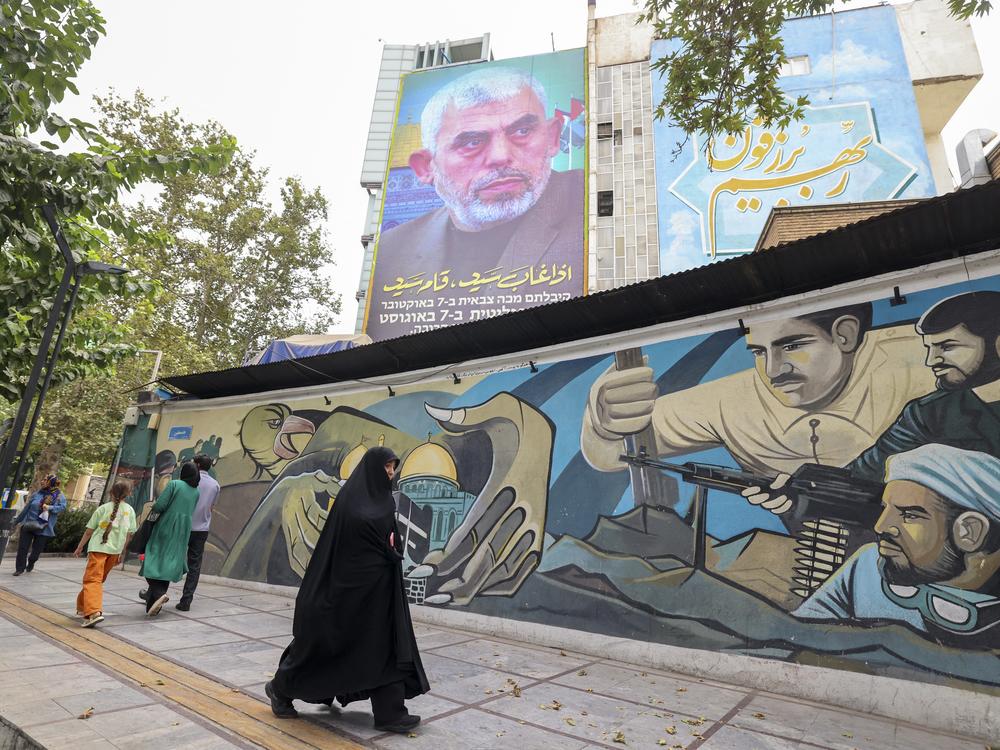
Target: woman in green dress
[{"x": 166, "y": 551}]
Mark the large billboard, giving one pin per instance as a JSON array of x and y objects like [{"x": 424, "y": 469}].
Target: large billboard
[
  {"x": 860, "y": 140},
  {"x": 484, "y": 207}
]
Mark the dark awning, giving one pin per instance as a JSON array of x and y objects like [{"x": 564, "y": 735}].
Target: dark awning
[{"x": 949, "y": 226}]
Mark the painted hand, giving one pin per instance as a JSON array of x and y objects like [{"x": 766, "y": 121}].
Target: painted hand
[
  {"x": 303, "y": 515},
  {"x": 500, "y": 541},
  {"x": 771, "y": 497},
  {"x": 622, "y": 401}
]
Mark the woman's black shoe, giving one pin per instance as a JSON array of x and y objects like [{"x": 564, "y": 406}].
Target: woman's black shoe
[
  {"x": 280, "y": 705},
  {"x": 401, "y": 725}
]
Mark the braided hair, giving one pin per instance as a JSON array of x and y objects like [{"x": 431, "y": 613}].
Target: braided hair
[{"x": 119, "y": 491}]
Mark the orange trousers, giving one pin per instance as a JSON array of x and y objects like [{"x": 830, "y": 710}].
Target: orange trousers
[{"x": 90, "y": 598}]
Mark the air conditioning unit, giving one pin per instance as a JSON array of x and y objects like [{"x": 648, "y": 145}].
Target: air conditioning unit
[{"x": 132, "y": 416}]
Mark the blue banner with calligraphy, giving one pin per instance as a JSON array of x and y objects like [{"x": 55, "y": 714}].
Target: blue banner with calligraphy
[{"x": 860, "y": 140}]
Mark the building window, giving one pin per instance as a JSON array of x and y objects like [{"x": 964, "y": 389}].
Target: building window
[
  {"x": 606, "y": 203},
  {"x": 618, "y": 137},
  {"x": 603, "y": 131},
  {"x": 796, "y": 66}
]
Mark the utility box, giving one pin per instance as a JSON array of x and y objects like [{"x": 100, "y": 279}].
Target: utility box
[{"x": 132, "y": 416}]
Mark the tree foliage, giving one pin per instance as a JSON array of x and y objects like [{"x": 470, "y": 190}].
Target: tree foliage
[
  {"x": 724, "y": 71},
  {"x": 240, "y": 271},
  {"x": 43, "y": 44}
]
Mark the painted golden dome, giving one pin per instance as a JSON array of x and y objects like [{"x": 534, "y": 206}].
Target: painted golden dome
[
  {"x": 351, "y": 460},
  {"x": 429, "y": 460}
]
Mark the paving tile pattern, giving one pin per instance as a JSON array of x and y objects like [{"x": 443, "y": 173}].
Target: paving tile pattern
[{"x": 485, "y": 692}]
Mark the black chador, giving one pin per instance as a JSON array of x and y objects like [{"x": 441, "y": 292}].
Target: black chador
[{"x": 353, "y": 637}]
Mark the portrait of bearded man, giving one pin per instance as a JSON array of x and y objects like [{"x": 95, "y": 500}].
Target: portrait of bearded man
[{"x": 487, "y": 150}]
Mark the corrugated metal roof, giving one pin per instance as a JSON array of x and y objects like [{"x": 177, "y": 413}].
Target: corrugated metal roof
[{"x": 949, "y": 226}]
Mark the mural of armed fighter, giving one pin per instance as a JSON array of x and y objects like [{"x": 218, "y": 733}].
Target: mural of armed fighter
[{"x": 724, "y": 491}]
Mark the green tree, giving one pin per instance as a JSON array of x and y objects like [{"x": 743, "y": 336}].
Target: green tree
[
  {"x": 724, "y": 71},
  {"x": 242, "y": 270},
  {"x": 43, "y": 44},
  {"x": 236, "y": 272}
]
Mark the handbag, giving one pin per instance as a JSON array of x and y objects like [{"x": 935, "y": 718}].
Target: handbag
[
  {"x": 33, "y": 527},
  {"x": 141, "y": 538}
]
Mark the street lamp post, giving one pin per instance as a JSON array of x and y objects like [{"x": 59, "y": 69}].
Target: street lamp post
[
  {"x": 88, "y": 268},
  {"x": 72, "y": 271}
]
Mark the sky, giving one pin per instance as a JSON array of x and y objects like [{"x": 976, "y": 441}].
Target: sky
[{"x": 294, "y": 81}]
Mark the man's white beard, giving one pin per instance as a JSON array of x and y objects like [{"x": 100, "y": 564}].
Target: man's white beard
[{"x": 474, "y": 214}]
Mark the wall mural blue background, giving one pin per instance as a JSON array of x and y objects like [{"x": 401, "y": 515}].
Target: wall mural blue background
[{"x": 513, "y": 501}]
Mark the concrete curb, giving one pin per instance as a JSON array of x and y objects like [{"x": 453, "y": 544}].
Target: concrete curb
[{"x": 938, "y": 707}]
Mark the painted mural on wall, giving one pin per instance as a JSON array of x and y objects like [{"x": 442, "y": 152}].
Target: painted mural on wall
[
  {"x": 860, "y": 140},
  {"x": 754, "y": 517}
]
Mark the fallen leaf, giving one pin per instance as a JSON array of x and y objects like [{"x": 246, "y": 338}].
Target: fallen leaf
[
  {"x": 487, "y": 691},
  {"x": 642, "y": 674},
  {"x": 160, "y": 682},
  {"x": 619, "y": 737},
  {"x": 693, "y": 722},
  {"x": 696, "y": 734},
  {"x": 661, "y": 742},
  {"x": 521, "y": 722},
  {"x": 682, "y": 690},
  {"x": 500, "y": 733},
  {"x": 582, "y": 673},
  {"x": 562, "y": 653},
  {"x": 570, "y": 720},
  {"x": 583, "y": 713},
  {"x": 759, "y": 715},
  {"x": 517, "y": 691},
  {"x": 411, "y": 735},
  {"x": 87, "y": 714},
  {"x": 671, "y": 729},
  {"x": 848, "y": 735}
]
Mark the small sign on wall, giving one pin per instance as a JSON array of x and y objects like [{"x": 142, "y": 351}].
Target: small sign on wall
[{"x": 180, "y": 433}]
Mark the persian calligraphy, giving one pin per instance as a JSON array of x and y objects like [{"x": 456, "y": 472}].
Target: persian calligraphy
[{"x": 835, "y": 155}]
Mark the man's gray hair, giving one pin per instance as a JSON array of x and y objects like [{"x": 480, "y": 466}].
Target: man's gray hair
[{"x": 483, "y": 86}]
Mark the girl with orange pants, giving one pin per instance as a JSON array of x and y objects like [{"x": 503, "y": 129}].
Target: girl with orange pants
[{"x": 116, "y": 522}]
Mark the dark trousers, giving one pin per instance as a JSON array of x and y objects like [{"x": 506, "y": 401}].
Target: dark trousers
[
  {"x": 155, "y": 589},
  {"x": 29, "y": 547},
  {"x": 196, "y": 547},
  {"x": 388, "y": 703}
]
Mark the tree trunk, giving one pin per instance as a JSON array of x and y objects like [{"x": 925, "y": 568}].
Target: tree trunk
[{"x": 47, "y": 463}]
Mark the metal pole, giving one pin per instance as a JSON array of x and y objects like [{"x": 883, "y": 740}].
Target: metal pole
[
  {"x": 32, "y": 383},
  {"x": 53, "y": 358},
  {"x": 10, "y": 450}
]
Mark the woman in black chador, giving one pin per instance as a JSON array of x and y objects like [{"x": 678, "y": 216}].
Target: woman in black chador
[{"x": 353, "y": 637}]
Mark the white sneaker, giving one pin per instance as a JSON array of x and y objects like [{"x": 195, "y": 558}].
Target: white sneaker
[{"x": 154, "y": 610}]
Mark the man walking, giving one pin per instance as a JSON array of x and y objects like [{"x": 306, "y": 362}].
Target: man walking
[{"x": 208, "y": 493}]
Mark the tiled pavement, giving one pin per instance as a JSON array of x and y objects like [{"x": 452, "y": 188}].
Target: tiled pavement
[{"x": 486, "y": 692}]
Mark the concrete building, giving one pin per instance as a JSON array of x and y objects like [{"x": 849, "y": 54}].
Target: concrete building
[{"x": 397, "y": 61}]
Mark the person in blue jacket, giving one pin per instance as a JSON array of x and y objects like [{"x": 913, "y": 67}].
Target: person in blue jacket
[{"x": 38, "y": 523}]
